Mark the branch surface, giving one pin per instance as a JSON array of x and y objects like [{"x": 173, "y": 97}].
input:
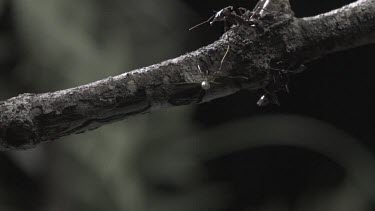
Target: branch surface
[{"x": 256, "y": 57}]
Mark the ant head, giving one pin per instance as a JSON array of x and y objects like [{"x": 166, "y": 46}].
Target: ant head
[{"x": 222, "y": 14}]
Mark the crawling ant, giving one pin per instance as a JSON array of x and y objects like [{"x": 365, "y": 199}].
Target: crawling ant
[
  {"x": 278, "y": 83},
  {"x": 229, "y": 16}
]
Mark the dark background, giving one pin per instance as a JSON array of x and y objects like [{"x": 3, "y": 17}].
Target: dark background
[{"x": 313, "y": 152}]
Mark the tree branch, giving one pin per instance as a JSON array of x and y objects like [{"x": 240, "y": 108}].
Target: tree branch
[
  {"x": 348, "y": 27},
  {"x": 257, "y": 57}
]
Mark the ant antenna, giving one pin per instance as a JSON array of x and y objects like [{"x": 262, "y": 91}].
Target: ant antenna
[
  {"x": 258, "y": 13},
  {"x": 199, "y": 24}
]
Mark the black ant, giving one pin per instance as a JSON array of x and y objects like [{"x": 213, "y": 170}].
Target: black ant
[
  {"x": 229, "y": 16},
  {"x": 278, "y": 84}
]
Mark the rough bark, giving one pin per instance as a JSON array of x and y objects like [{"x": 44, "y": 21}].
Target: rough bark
[{"x": 257, "y": 57}]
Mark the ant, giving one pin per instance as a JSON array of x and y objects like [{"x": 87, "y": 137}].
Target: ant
[
  {"x": 278, "y": 84},
  {"x": 229, "y": 16}
]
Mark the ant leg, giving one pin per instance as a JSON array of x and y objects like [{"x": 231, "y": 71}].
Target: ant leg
[
  {"x": 200, "y": 70},
  {"x": 287, "y": 88},
  {"x": 238, "y": 77},
  {"x": 242, "y": 10},
  {"x": 181, "y": 83},
  {"x": 199, "y": 24},
  {"x": 258, "y": 12},
  {"x": 280, "y": 70},
  {"x": 226, "y": 52},
  {"x": 258, "y": 8},
  {"x": 225, "y": 25},
  {"x": 299, "y": 69},
  {"x": 225, "y": 55},
  {"x": 201, "y": 95}
]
